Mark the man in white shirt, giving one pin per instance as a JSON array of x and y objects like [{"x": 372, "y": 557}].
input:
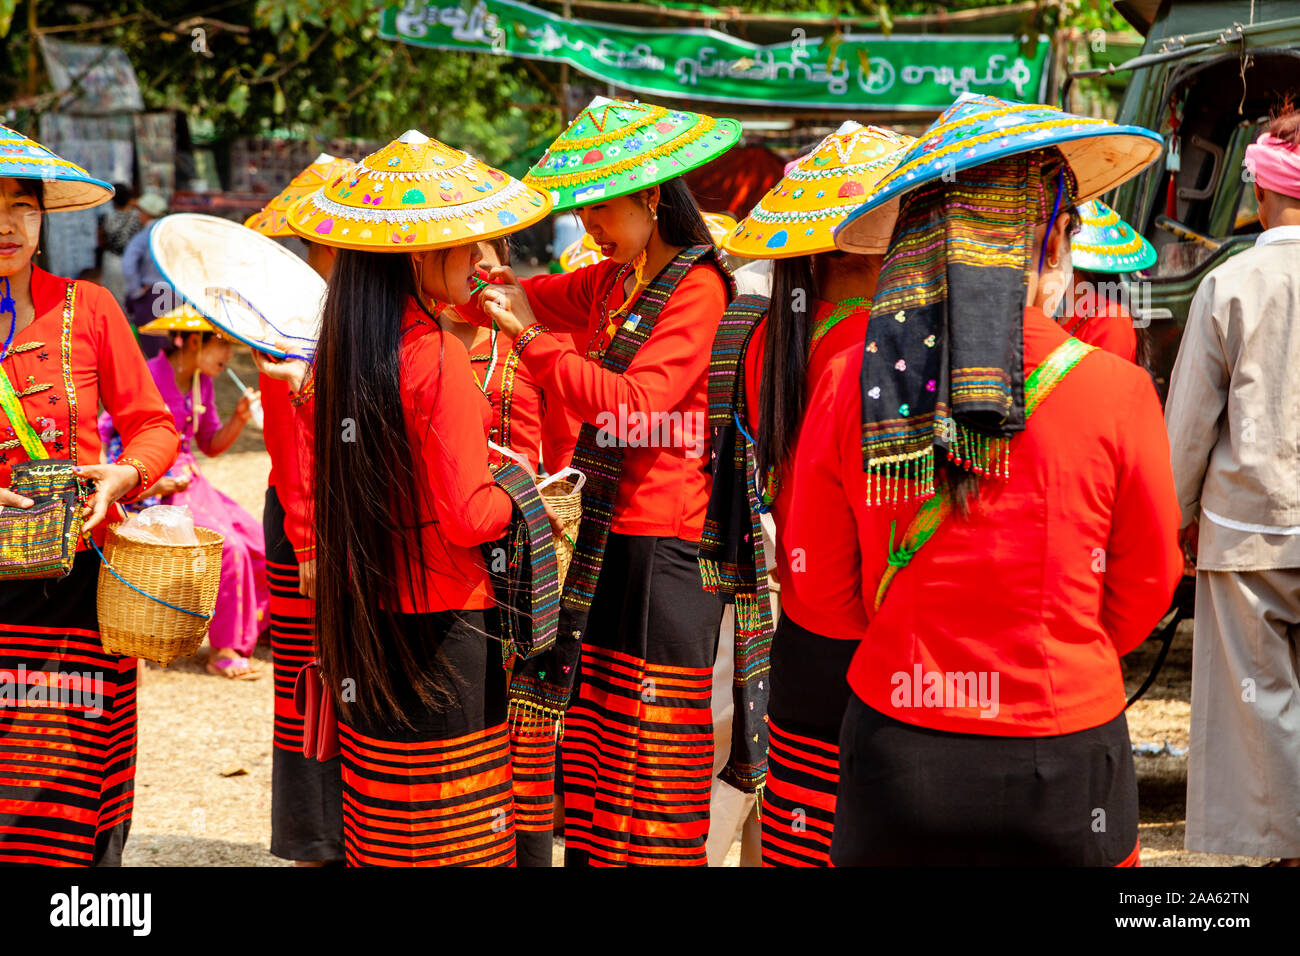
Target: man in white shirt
[{"x": 1233, "y": 416}]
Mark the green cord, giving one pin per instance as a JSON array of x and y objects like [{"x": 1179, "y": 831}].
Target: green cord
[{"x": 902, "y": 556}]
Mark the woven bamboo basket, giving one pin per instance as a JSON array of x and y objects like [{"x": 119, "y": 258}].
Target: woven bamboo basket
[
  {"x": 132, "y": 624},
  {"x": 567, "y": 505}
]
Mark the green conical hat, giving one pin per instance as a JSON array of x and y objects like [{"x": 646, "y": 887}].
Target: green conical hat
[{"x": 615, "y": 147}]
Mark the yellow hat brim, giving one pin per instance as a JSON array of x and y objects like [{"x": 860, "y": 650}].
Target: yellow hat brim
[
  {"x": 799, "y": 215},
  {"x": 416, "y": 194}
]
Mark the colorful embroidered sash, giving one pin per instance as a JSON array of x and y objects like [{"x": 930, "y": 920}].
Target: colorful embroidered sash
[
  {"x": 732, "y": 559},
  {"x": 542, "y": 686},
  {"x": 1041, "y": 382},
  {"x": 522, "y": 568}
]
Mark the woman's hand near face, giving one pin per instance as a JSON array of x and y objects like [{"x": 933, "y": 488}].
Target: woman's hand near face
[{"x": 506, "y": 302}]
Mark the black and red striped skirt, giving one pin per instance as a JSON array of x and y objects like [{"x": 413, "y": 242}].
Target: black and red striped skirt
[
  {"x": 809, "y": 695},
  {"x": 440, "y": 793},
  {"x": 306, "y": 794},
  {"x": 637, "y": 752},
  {"x": 67, "y": 726}
]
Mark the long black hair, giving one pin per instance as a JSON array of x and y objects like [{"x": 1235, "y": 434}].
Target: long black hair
[
  {"x": 788, "y": 336},
  {"x": 680, "y": 222},
  {"x": 365, "y": 494}
]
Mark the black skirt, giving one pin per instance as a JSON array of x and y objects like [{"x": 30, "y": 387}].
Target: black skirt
[
  {"x": 911, "y": 796},
  {"x": 67, "y": 758},
  {"x": 809, "y": 695},
  {"x": 637, "y": 752},
  {"x": 306, "y": 794},
  {"x": 438, "y": 793}
]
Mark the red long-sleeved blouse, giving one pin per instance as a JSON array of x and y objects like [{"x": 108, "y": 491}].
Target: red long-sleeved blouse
[
  {"x": 291, "y": 460},
  {"x": 90, "y": 358},
  {"x": 458, "y": 505},
  {"x": 1058, "y": 572},
  {"x": 659, "y": 405}
]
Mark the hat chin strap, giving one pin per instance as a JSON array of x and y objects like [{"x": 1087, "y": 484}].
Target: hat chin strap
[{"x": 1056, "y": 207}]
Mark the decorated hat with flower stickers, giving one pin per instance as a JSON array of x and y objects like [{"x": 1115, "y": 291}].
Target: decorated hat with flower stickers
[
  {"x": 273, "y": 218},
  {"x": 417, "y": 193},
  {"x": 67, "y": 185},
  {"x": 799, "y": 214},
  {"x": 977, "y": 129},
  {"x": 1106, "y": 243},
  {"x": 586, "y": 252},
  {"x": 616, "y": 147}
]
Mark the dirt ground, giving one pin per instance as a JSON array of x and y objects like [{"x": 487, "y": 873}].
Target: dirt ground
[{"x": 203, "y": 781}]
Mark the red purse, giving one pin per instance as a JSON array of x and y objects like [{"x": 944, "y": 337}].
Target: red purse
[{"x": 320, "y": 731}]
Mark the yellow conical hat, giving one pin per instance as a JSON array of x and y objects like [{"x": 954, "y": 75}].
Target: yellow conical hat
[
  {"x": 417, "y": 193},
  {"x": 184, "y": 318},
  {"x": 272, "y": 219},
  {"x": 799, "y": 214}
]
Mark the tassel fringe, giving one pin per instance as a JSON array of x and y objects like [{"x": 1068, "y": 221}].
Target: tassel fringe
[{"x": 524, "y": 716}]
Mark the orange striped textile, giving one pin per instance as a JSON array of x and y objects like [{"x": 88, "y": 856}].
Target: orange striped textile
[
  {"x": 532, "y": 759},
  {"x": 428, "y": 803},
  {"x": 799, "y": 800},
  {"x": 292, "y": 646},
  {"x": 67, "y": 726},
  {"x": 637, "y": 755},
  {"x": 306, "y": 794}
]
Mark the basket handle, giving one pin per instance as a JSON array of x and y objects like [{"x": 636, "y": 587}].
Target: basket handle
[
  {"x": 563, "y": 473},
  {"x": 112, "y": 571},
  {"x": 513, "y": 456}
]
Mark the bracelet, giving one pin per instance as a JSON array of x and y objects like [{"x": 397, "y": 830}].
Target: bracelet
[
  {"x": 140, "y": 470},
  {"x": 526, "y": 336},
  {"x": 308, "y": 392}
]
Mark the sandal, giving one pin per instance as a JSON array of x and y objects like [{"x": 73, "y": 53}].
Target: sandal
[{"x": 233, "y": 668}]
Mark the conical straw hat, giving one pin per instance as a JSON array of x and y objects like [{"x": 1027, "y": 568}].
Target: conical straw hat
[
  {"x": 616, "y": 147},
  {"x": 67, "y": 185},
  {"x": 184, "y": 318},
  {"x": 272, "y": 219},
  {"x": 417, "y": 193},
  {"x": 247, "y": 285},
  {"x": 799, "y": 214},
  {"x": 978, "y": 129},
  {"x": 1106, "y": 243}
]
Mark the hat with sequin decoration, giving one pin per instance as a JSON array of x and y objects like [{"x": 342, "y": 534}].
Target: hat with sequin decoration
[
  {"x": 184, "y": 318},
  {"x": 272, "y": 219},
  {"x": 978, "y": 129},
  {"x": 67, "y": 185},
  {"x": 799, "y": 214},
  {"x": 586, "y": 252},
  {"x": 616, "y": 147},
  {"x": 1106, "y": 243},
  {"x": 417, "y": 193}
]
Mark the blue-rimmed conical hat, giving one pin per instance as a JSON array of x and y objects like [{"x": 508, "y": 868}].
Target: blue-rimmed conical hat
[
  {"x": 977, "y": 129},
  {"x": 67, "y": 185},
  {"x": 1106, "y": 243}
]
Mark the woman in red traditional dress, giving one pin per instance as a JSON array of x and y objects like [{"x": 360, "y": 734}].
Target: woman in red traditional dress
[{"x": 67, "y": 758}]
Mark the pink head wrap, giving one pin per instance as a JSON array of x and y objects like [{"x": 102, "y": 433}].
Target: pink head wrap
[{"x": 1275, "y": 164}]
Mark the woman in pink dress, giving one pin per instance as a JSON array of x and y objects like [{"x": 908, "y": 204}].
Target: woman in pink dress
[{"x": 193, "y": 356}]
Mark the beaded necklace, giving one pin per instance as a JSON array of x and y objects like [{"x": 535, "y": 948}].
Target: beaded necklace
[{"x": 609, "y": 325}]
